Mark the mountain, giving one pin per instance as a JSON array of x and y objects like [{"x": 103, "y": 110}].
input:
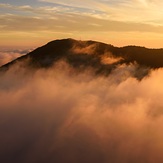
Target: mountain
[{"x": 103, "y": 58}]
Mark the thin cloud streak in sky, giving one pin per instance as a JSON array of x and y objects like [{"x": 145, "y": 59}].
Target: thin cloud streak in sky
[
  {"x": 44, "y": 18},
  {"x": 118, "y": 11},
  {"x": 121, "y": 10}
]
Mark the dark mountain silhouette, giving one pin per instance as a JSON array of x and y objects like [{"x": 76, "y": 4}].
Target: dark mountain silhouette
[{"x": 84, "y": 54}]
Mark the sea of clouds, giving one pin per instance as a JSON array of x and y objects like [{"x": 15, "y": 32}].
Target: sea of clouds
[
  {"x": 63, "y": 116},
  {"x": 7, "y": 54}
]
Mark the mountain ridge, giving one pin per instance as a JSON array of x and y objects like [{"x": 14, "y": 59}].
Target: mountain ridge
[{"x": 82, "y": 54}]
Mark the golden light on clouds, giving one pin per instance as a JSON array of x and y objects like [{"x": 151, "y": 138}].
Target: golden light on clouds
[
  {"x": 67, "y": 117},
  {"x": 138, "y": 22},
  {"x": 73, "y": 101}
]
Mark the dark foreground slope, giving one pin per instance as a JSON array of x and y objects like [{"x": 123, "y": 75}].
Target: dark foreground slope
[{"x": 103, "y": 58}]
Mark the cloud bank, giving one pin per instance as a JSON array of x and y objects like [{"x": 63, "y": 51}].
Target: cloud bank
[
  {"x": 58, "y": 115},
  {"x": 9, "y": 54}
]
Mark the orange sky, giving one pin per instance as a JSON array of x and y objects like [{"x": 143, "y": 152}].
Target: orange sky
[{"x": 33, "y": 23}]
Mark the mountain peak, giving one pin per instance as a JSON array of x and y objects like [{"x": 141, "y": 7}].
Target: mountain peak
[{"x": 84, "y": 54}]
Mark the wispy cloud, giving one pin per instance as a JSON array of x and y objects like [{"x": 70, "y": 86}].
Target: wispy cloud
[
  {"x": 77, "y": 17},
  {"x": 70, "y": 22},
  {"x": 134, "y": 10},
  {"x": 131, "y": 11},
  {"x": 99, "y": 13}
]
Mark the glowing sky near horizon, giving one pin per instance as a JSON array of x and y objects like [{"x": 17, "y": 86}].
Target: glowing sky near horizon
[{"x": 118, "y": 22}]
